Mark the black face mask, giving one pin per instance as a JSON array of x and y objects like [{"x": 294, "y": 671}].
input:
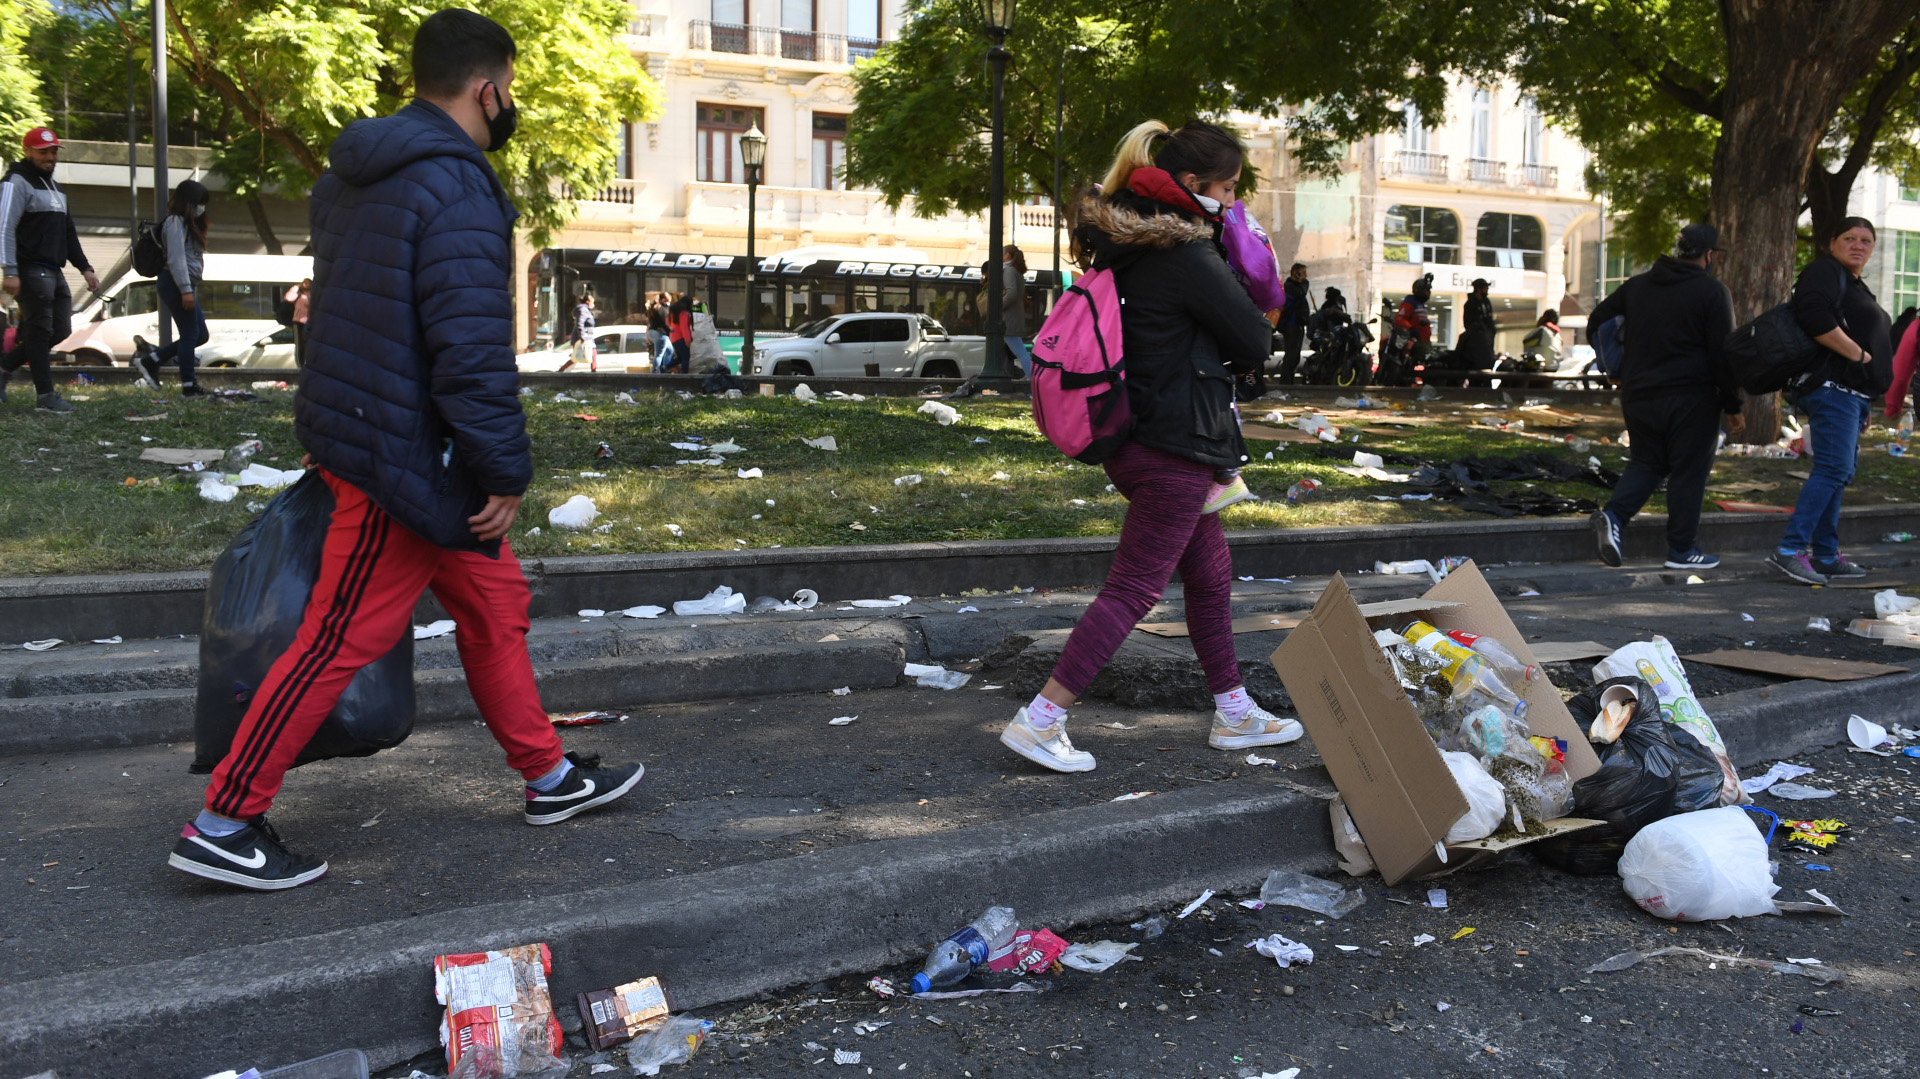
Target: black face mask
[{"x": 501, "y": 125}]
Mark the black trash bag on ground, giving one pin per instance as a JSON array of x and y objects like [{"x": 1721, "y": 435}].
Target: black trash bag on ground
[
  {"x": 720, "y": 380},
  {"x": 1639, "y": 782},
  {"x": 255, "y": 598}
]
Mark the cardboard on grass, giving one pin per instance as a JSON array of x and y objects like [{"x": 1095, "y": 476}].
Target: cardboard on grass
[{"x": 1389, "y": 772}]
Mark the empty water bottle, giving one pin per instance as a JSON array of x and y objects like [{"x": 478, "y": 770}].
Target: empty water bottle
[
  {"x": 1299, "y": 491},
  {"x": 959, "y": 955},
  {"x": 239, "y": 457},
  {"x": 1474, "y": 682},
  {"x": 1502, "y": 657}
]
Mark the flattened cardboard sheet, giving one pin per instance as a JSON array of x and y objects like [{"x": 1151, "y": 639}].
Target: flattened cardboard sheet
[
  {"x": 1824, "y": 668},
  {"x": 1568, "y": 651}
]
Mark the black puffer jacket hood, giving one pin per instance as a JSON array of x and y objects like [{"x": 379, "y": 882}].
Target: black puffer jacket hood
[{"x": 1188, "y": 326}]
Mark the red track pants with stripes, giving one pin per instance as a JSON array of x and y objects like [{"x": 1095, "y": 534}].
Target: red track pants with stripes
[{"x": 372, "y": 572}]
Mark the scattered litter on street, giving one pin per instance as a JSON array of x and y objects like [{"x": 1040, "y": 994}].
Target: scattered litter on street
[
  {"x": 610, "y": 1017},
  {"x": 431, "y": 630},
  {"x": 498, "y": 1013},
  {"x": 890, "y": 601},
  {"x": 47, "y": 645},
  {"x": 672, "y": 1042},
  {"x": 585, "y": 719},
  {"x": 1799, "y": 793},
  {"x": 1032, "y": 951},
  {"x": 841, "y": 721},
  {"x": 722, "y": 600},
  {"x": 1260, "y": 762},
  {"x": 1098, "y": 956},
  {"x": 1865, "y": 733},
  {"x": 1437, "y": 898},
  {"x": 1780, "y": 771},
  {"x": 643, "y": 611},
  {"x": 1282, "y": 951},
  {"x": 1822, "y": 974},
  {"x": 115, "y": 639},
  {"x": 1197, "y": 904},
  {"x": 1424, "y": 938},
  {"x": 1700, "y": 866},
  {"x": 936, "y": 677},
  {"x": 1284, "y": 887},
  {"x": 843, "y": 1056},
  {"x": 1017, "y": 987},
  {"x": 881, "y": 987}
]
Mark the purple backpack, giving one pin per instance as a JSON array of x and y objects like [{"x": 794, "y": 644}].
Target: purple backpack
[
  {"x": 1250, "y": 254},
  {"x": 1079, "y": 380}
]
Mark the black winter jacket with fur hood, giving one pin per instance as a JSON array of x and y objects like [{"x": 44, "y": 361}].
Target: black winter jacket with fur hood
[{"x": 1188, "y": 326}]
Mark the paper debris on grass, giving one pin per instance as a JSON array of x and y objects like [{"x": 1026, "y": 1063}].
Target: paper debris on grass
[
  {"x": 433, "y": 629},
  {"x": 824, "y": 442},
  {"x": 726, "y": 447},
  {"x": 906, "y": 481},
  {"x": 214, "y": 490},
  {"x": 675, "y": 529},
  {"x": 164, "y": 456},
  {"x": 748, "y": 473}
]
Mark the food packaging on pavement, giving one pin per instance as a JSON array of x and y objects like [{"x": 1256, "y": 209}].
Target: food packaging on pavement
[
  {"x": 1392, "y": 778},
  {"x": 611, "y": 1016},
  {"x": 1097, "y": 957},
  {"x": 1032, "y": 951},
  {"x": 1654, "y": 660},
  {"x": 499, "y": 1018}
]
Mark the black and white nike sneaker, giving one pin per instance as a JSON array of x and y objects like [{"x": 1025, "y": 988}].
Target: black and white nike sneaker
[
  {"x": 253, "y": 857},
  {"x": 587, "y": 786}
]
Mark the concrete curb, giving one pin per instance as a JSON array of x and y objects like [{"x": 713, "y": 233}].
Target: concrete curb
[
  {"x": 715, "y": 936},
  {"x": 56, "y": 724},
  {"x": 1764, "y": 725},
  {"x": 164, "y": 604}
]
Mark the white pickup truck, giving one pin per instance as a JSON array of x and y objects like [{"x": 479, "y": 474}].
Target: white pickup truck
[{"x": 890, "y": 345}]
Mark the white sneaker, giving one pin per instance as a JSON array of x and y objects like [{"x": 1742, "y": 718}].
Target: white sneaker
[
  {"x": 1257, "y": 728},
  {"x": 1047, "y": 747}
]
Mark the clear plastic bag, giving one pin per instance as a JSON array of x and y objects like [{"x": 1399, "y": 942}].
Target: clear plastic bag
[
  {"x": 672, "y": 1042},
  {"x": 1310, "y": 893}
]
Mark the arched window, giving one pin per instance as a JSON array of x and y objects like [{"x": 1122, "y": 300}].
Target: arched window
[
  {"x": 1515, "y": 241},
  {"x": 1422, "y": 234}
]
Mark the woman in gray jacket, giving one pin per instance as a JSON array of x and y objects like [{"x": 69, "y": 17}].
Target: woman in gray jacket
[{"x": 185, "y": 238}]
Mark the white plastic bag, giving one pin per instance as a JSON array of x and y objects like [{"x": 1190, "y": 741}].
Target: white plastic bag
[
  {"x": 1893, "y": 607},
  {"x": 1486, "y": 799},
  {"x": 721, "y": 600},
  {"x": 213, "y": 490},
  {"x": 576, "y": 513},
  {"x": 1656, "y": 662},
  {"x": 1697, "y": 867},
  {"x": 946, "y": 415}
]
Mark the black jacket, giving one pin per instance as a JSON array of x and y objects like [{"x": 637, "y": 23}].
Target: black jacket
[
  {"x": 1827, "y": 296},
  {"x": 1296, "y": 312},
  {"x": 35, "y": 225},
  {"x": 1678, "y": 319},
  {"x": 1188, "y": 326},
  {"x": 411, "y": 392}
]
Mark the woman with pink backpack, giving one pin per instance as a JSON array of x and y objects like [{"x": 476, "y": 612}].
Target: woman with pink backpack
[{"x": 1187, "y": 328}]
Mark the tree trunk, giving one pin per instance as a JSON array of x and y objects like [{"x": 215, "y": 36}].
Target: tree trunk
[
  {"x": 262, "y": 226},
  {"x": 1789, "y": 65}
]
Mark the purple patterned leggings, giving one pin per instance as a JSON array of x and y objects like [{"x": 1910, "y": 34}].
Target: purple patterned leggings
[{"x": 1164, "y": 531}]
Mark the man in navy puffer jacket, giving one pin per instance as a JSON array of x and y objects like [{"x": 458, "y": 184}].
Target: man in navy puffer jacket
[{"x": 409, "y": 406}]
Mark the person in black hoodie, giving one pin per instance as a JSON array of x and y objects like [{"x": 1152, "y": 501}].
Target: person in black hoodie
[
  {"x": 1187, "y": 328},
  {"x": 1839, "y": 312},
  {"x": 37, "y": 240},
  {"x": 1675, "y": 387}
]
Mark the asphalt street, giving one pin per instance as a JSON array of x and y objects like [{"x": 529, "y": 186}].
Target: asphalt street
[{"x": 1510, "y": 997}]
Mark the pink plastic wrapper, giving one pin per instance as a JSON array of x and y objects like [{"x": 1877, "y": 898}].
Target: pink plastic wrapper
[{"x": 1032, "y": 950}]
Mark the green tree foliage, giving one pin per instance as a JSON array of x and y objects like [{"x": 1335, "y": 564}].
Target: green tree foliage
[
  {"x": 290, "y": 74},
  {"x": 21, "y": 106}
]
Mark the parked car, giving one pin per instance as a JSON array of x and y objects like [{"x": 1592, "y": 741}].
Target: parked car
[
  {"x": 238, "y": 294},
  {"x": 891, "y": 345},
  {"x": 621, "y": 348}
]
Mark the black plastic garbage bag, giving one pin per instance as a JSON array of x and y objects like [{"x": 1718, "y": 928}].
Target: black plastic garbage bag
[
  {"x": 1652, "y": 771},
  {"x": 255, "y": 598}
]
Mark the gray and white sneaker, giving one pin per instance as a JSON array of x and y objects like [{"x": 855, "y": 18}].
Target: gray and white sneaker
[
  {"x": 1838, "y": 568},
  {"x": 53, "y": 402},
  {"x": 1048, "y": 747},
  {"x": 1606, "y": 536},
  {"x": 1257, "y": 728},
  {"x": 1797, "y": 566}
]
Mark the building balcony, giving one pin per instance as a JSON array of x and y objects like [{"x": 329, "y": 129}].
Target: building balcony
[
  {"x": 1540, "y": 175},
  {"x": 1484, "y": 170},
  {"x": 805, "y": 46},
  {"x": 616, "y": 193},
  {"x": 1417, "y": 165}
]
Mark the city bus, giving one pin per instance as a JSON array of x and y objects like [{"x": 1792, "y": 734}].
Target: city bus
[{"x": 794, "y": 288}]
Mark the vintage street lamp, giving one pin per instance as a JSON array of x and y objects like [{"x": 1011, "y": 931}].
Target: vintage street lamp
[
  {"x": 997, "y": 16},
  {"x": 753, "y": 154}
]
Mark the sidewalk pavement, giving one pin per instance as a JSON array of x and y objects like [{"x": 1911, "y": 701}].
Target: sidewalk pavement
[{"x": 765, "y": 848}]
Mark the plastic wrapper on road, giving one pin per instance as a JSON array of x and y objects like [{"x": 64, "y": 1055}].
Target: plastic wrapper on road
[{"x": 499, "y": 1020}]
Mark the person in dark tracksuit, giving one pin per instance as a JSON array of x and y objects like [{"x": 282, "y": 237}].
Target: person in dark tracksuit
[
  {"x": 37, "y": 240},
  {"x": 1675, "y": 389},
  {"x": 409, "y": 406},
  {"x": 1293, "y": 320}
]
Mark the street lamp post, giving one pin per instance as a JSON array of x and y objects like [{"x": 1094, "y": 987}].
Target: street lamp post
[
  {"x": 998, "y": 17},
  {"x": 753, "y": 154}
]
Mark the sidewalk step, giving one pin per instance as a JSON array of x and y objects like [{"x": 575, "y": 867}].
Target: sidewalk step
[{"x": 66, "y": 723}]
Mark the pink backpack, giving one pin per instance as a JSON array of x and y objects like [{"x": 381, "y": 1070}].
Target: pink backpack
[
  {"x": 1079, "y": 380},
  {"x": 1250, "y": 254}
]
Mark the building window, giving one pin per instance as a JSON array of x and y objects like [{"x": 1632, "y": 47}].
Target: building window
[
  {"x": 829, "y": 152},
  {"x": 1414, "y": 135},
  {"x": 796, "y": 30},
  {"x": 1533, "y": 146},
  {"x": 1611, "y": 268},
  {"x": 1482, "y": 141},
  {"x": 733, "y": 12},
  {"x": 863, "y": 28},
  {"x": 1515, "y": 241},
  {"x": 1909, "y": 194},
  {"x": 717, "y": 146},
  {"x": 1905, "y": 251},
  {"x": 623, "y": 151},
  {"x": 1419, "y": 234}
]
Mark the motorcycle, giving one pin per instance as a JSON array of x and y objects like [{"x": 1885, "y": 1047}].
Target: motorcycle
[{"x": 1340, "y": 355}]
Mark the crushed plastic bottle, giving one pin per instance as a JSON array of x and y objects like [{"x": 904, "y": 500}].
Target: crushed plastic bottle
[
  {"x": 1299, "y": 492},
  {"x": 1902, "y": 435},
  {"x": 1475, "y": 684},
  {"x": 1897, "y": 537},
  {"x": 959, "y": 955},
  {"x": 1502, "y": 657},
  {"x": 1578, "y": 444},
  {"x": 239, "y": 457}
]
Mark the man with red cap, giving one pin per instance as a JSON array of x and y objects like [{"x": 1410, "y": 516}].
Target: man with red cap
[{"x": 37, "y": 240}]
